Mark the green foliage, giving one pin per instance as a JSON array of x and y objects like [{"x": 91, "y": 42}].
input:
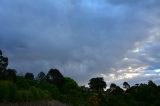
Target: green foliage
[
  {"x": 7, "y": 91},
  {"x": 94, "y": 101},
  {"x": 52, "y": 89},
  {"x": 69, "y": 85},
  {"x": 36, "y": 95},
  {"x": 39, "y": 94},
  {"x": 23, "y": 83},
  {"x": 24, "y": 95}
]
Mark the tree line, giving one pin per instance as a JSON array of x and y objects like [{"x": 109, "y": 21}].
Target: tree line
[{"x": 53, "y": 85}]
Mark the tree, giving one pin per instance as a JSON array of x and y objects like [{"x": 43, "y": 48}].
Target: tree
[
  {"x": 41, "y": 76},
  {"x": 151, "y": 83},
  {"x": 69, "y": 85},
  {"x": 29, "y": 76},
  {"x": 54, "y": 76},
  {"x": 97, "y": 84},
  {"x": 113, "y": 86},
  {"x": 10, "y": 74},
  {"x": 0, "y": 52},
  {"x": 126, "y": 85},
  {"x": 3, "y": 65}
]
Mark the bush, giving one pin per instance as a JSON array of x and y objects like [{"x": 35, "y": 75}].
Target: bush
[
  {"x": 52, "y": 89},
  {"x": 7, "y": 91},
  {"x": 39, "y": 94},
  {"x": 24, "y": 96},
  {"x": 69, "y": 85}
]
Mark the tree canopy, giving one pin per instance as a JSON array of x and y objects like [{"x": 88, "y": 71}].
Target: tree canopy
[
  {"x": 41, "y": 76},
  {"x": 29, "y": 76},
  {"x": 126, "y": 85},
  {"x": 97, "y": 84},
  {"x": 54, "y": 76}
]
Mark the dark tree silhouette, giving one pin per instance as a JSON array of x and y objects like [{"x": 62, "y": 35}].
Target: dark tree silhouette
[
  {"x": 3, "y": 65},
  {"x": 41, "y": 76},
  {"x": 54, "y": 76},
  {"x": 151, "y": 83},
  {"x": 113, "y": 86},
  {"x": 126, "y": 85},
  {"x": 97, "y": 84},
  {"x": 0, "y": 52},
  {"x": 29, "y": 76},
  {"x": 3, "y": 62},
  {"x": 10, "y": 74}
]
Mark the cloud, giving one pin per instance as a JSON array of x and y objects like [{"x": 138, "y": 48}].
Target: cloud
[
  {"x": 84, "y": 38},
  {"x": 140, "y": 64}
]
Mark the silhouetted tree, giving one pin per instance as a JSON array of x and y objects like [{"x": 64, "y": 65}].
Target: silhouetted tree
[
  {"x": 113, "y": 86},
  {"x": 54, "y": 76},
  {"x": 10, "y": 74},
  {"x": 136, "y": 85},
  {"x": 119, "y": 90},
  {"x": 29, "y": 76},
  {"x": 0, "y": 52},
  {"x": 97, "y": 84},
  {"x": 3, "y": 65},
  {"x": 41, "y": 76},
  {"x": 3, "y": 62},
  {"x": 151, "y": 83},
  {"x": 115, "y": 90},
  {"x": 126, "y": 85}
]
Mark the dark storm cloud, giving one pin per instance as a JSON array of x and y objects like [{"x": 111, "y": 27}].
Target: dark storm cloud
[{"x": 83, "y": 38}]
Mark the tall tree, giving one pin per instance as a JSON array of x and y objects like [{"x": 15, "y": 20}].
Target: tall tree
[
  {"x": 151, "y": 83},
  {"x": 29, "y": 76},
  {"x": 97, "y": 84},
  {"x": 126, "y": 85},
  {"x": 41, "y": 76},
  {"x": 113, "y": 86},
  {"x": 0, "y": 52},
  {"x": 3, "y": 65},
  {"x": 54, "y": 76},
  {"x": 10, "y": 74}
]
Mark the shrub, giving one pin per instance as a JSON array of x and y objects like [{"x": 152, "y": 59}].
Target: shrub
[{"x": 7, "y": 91}]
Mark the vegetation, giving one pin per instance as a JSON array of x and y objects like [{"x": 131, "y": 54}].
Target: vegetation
[{"x": 54, "y": 86}]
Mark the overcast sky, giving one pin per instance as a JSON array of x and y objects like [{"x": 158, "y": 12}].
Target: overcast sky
[{"x": 115, "y": 39}]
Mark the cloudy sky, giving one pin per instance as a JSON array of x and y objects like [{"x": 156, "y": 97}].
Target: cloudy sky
[{"x": 115, "y": 39}]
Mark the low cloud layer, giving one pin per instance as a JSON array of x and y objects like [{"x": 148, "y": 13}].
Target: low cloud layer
[{"x": 83, "y": 38}]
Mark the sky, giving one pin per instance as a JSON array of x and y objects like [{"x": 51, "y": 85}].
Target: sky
[{"x": 118, "y": 40}]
